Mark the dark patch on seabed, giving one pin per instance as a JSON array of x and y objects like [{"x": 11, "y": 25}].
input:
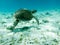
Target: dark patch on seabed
[
  {"x": 21, "y": 29},
  {"x": 26, "y": 28}
]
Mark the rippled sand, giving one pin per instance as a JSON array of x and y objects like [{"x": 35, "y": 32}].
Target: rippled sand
[{"x": 29, "y": 33}]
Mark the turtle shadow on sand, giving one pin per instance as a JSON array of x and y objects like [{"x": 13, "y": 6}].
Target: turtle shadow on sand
[
  {"x": 21, "y": 29},
  {"x": 26, "y": 28}
]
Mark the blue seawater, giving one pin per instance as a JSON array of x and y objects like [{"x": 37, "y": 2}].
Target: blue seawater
[{"x": 13, "y": 5}]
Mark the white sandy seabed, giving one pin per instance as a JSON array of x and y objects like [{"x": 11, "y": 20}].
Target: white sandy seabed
[{"x": 29, "y": 33}]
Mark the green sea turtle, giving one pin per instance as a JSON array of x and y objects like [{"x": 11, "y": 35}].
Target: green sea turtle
[{"x": 23, "y": 15}]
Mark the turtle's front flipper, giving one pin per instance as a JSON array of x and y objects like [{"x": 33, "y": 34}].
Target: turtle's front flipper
[
  {"x": 36, "y": 20},
  {"x": 14, "y": 25}
]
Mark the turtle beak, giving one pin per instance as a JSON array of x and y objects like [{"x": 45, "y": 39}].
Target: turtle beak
[{"x": 36, "y": 20}]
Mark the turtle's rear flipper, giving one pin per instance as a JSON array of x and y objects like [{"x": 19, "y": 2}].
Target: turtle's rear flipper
[{"x": 36, "y": 20}]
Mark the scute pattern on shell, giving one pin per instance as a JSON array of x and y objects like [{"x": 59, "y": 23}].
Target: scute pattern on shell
[{"x": 23, "y": 15}]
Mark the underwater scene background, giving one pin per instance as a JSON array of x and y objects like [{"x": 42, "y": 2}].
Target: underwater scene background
[
  {"x": 28, "y": 32},
  {"x": 13, "y": 5}
]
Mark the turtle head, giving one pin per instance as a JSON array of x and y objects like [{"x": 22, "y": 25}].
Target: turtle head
[{"x": 34, "y": 11}]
